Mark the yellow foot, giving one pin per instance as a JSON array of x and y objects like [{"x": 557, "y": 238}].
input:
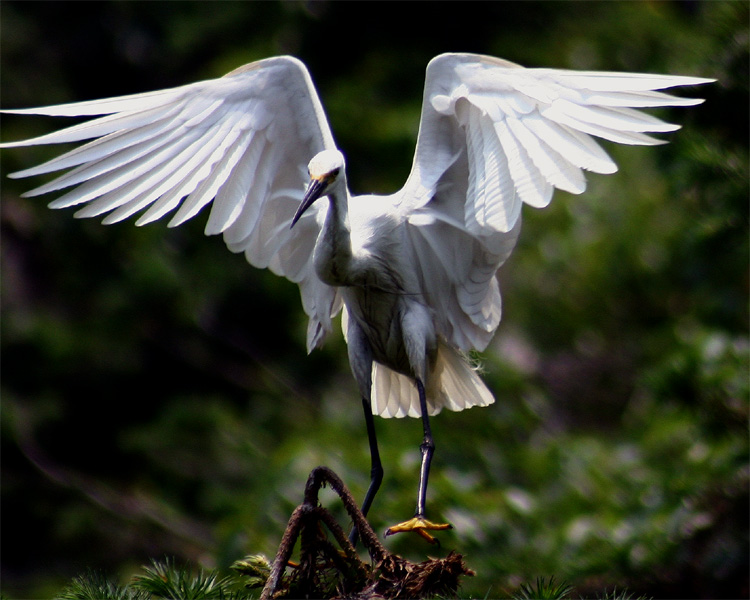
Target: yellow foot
[{"x": 419, "y": 525}]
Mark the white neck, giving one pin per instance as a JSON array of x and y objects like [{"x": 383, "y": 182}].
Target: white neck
[{"x": 333, "y": 250}]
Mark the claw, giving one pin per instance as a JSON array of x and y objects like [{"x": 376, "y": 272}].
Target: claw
[{"x": 419, "y": 525}]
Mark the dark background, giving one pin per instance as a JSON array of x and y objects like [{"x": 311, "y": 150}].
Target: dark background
[{"x": 156, "y": 395}]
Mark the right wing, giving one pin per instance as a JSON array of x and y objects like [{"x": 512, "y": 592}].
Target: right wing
[{"x": 241, "y": 143}]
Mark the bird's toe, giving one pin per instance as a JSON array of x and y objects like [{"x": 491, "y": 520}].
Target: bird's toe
[{"x": 420, "y": 526}]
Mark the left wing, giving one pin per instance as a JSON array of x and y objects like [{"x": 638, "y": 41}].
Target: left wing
[{"x": 493, "y": 136}]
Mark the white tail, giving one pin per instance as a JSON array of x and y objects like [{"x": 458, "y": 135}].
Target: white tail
[{"x": 453, "y": 384}]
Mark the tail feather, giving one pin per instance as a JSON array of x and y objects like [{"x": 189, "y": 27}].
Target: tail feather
[
  {"x": 393, "y": 394},
  {"x": 453, "y": 384}
]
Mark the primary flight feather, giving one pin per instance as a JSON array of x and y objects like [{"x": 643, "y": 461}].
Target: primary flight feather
[{"x": 413, "y": 271}]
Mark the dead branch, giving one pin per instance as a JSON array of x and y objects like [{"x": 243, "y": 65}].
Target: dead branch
[{"x": 328, "y": 571}]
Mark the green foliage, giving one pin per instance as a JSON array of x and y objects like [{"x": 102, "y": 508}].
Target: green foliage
[
  {"x": 255, "y": 568},
  {"x": 162, "y": 580},
  {"x": 166, "y": 580},
  {"x": 95, "y": 586},
  {"x": 544, "y": 590},
  {"x": 157, "y": 399},
  {"x": 616, "y": 594}
]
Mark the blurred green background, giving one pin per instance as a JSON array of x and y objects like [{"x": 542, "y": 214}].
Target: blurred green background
[{"x": 156, "y": 395}]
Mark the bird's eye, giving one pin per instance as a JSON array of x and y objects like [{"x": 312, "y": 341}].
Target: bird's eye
[{"x": 335, "y": 173}]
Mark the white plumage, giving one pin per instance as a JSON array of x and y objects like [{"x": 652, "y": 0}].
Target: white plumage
[{"x": 415, "y": 270}]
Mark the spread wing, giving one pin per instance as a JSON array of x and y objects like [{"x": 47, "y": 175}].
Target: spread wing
[
  {"x": 240, "y": 143},
  {"x": 493, "y": 136}
]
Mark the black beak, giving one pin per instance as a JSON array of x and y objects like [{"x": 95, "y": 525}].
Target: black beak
[{"x": 313, "y": 192}]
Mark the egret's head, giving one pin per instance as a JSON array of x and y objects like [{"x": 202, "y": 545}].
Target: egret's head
[{"x": 326, "y": 171}]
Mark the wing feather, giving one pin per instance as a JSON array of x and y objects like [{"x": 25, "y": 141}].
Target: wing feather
[
  {"x": 216, "y": 179},
  {"x": 556, "y": 169},
  {"x": 105, "y": 106},
  {"x": 100, "y": 148},
  {"x": 240, "y": 143},
  {"x": 193, "y": 178},
  {"x": 493, "y": 136},
  {"x": 168, "y": 179},
  {"x": 126, "y": 181}
]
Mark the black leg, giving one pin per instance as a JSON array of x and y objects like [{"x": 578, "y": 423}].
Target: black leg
[
  {"x": 418, "y": 523},
  {"x": 427, "y": 447},
  {"x": 376, "y": 467}
]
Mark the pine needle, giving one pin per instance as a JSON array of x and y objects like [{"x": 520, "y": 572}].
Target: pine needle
[
  {"x": 166, "y": 580},
  {"x": 544, "y": 590},
  {"x": 95, "y": 586}
]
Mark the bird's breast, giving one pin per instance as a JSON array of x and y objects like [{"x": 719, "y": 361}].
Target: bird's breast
[{"x": 379, "y": 315}]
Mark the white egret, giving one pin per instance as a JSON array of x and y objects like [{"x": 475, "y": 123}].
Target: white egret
[{"x": 414, "y": 271}]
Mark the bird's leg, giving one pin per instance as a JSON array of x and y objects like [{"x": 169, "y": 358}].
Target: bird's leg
[
  {"x": 360, "y": 359},
  {"x": 418, "y": 523},
  {"x": 427, "y": 448},
  {"x": 376, "y": 467}
]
